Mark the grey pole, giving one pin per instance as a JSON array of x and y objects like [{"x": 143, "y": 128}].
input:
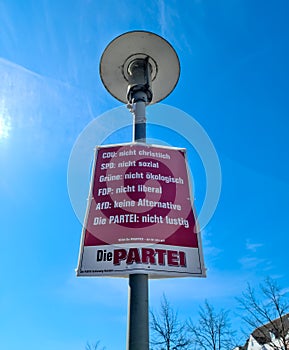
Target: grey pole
[
  {"x": 138, "y": 315},
  {"x": 138, "y": 320}
]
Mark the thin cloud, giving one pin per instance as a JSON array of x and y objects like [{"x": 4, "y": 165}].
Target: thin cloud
[
  {"x": 211, "y": 252},
  {"x": 249, "y": 262},
  {"x": 162, "y": 16},
  {"x": 255, "y": 263},
  {"x": 252, "y": 247},
  {"x": 92, "y": 290},
  {"x": 168, "y": 19},
  {"x": 252, "y": 259}
]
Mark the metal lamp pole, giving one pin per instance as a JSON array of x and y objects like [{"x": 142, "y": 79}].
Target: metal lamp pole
[
  {"x": 138, "y": 318},
  {"x": 139, "y": 95}
]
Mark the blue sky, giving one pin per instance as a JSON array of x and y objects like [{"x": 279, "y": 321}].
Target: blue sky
[{"x": 234, "y": 82}]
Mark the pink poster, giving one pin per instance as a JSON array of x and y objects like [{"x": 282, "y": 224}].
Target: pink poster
[{"x": 140, "y": 216}]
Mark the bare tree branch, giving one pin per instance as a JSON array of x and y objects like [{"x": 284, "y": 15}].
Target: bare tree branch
[
  {"x": 93, "y": 346},
  {"x": 168, "y": 332},
  {"x": 213, "y": 330},
  {"x": 267, "y": 316}
]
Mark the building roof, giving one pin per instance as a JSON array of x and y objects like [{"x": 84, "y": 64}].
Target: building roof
[{"x": 278, "y": 327}]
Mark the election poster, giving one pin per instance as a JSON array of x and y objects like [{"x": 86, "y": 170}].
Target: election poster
[{"x": 140, "y": 214}]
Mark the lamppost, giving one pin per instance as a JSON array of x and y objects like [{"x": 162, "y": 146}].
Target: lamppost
[{"x": 139, "y": 68}]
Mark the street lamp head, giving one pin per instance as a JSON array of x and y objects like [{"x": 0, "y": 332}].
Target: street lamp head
[{"x": 139, "y": 61}]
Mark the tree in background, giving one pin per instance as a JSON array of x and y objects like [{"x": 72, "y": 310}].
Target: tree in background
[
  {"x": 94, "y": 346},
  {"x": 212, "y": 331},
  {"x": 168, "y": 332},
  {"x": 267, "y": 314}
]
